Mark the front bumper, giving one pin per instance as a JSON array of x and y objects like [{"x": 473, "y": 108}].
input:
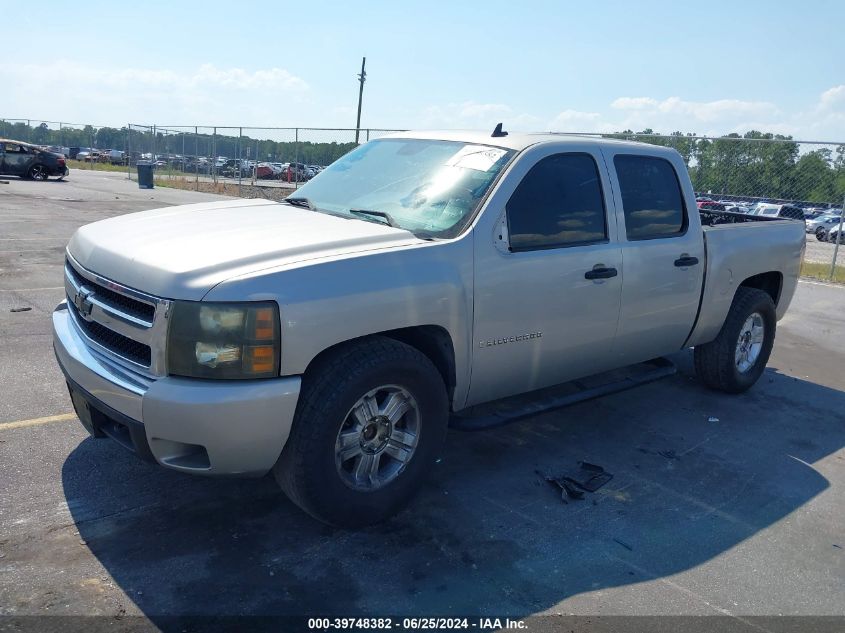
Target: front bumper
[{"x": 200, "y": 426}]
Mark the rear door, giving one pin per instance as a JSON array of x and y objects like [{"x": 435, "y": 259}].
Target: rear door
[
  {"x": 662, "y": 253},
  {"x": 548, "y": 277}
]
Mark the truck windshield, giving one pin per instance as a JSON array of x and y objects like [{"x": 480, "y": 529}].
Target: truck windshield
[{"x": 425, "y": 186}]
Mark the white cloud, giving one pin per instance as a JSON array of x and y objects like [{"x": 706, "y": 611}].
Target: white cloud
[
  {"x": 833, "y": 98},
  {"x": 578, "y": 121},
  {"x": 677, "y": 113},
  {"x": 633, "y": 103},
  {"x": 470, "y": 114},
  {"x": 105, "y": 96}
]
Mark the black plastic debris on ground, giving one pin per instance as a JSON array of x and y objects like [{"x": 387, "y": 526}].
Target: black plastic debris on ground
[
  {"x": 574, "y": 483},
  {"x": 27, "y": 309}
]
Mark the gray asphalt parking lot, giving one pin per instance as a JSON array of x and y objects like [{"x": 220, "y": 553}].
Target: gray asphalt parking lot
[
  {"x": 719, "y": 505},
  {"x": 822, "y": 252}
]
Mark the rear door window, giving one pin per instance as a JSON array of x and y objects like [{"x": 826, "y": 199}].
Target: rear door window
[
  {"x": 651, "y": 197},
  {"x": 558, "y": 203}
]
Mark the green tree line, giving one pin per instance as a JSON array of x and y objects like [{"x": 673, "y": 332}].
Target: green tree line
[
  {"x": 755, "y": 164},
  {"x": 142, "y": 141}
]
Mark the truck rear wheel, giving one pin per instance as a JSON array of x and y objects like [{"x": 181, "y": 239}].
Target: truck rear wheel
[
  {"x": 737, "y": 357},
  {"x": 370, "y": 421}
]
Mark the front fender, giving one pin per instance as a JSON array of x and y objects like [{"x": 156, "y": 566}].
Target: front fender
[{"x": 329, "y": 301}]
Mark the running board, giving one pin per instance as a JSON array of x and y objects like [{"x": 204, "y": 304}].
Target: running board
[{"x": 522, "y": 406}]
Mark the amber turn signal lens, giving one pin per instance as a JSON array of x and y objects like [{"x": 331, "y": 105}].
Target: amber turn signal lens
[
  {"x": 259, "y": 359},
  {"x": 264, "y": 324}
]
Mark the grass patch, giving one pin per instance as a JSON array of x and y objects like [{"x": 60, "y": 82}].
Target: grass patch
[
  {"x": 78, "y": 164},
  {"x": 822, "y": 272}
]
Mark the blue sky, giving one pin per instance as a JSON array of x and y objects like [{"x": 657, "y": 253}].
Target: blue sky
[{"x": 705, "y": 67}]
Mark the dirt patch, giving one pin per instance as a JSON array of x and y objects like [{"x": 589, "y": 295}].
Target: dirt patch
[{"x": 226, "y": 188}]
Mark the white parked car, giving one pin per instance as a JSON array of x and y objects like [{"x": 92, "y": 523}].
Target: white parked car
[
  {"x": 833, "y": 233},
  {"x": 823, "y": 221}
]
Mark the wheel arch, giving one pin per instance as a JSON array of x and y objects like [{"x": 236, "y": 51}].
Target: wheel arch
[
  {"x": 769, "y": 282},
  {"x": 433, "y": 341}
]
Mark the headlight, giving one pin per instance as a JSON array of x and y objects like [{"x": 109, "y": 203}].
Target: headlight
[{"x": 223, "y": 340}]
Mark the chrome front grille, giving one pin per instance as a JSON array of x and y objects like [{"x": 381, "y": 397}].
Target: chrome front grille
[
  {"x": 128, "y": 306},
  {"x": 117, "y": 343},
  {"x": 122, "y": 324}
]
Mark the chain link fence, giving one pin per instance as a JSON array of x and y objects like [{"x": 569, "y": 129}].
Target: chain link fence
[
  {"x": 752, "y": 173},
  {"x": 764, "y": 174}
]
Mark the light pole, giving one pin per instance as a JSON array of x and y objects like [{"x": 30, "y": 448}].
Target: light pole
[{"x": 361, "y": 79}]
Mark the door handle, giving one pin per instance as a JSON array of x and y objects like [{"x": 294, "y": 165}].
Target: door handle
[
  {"x": 600, "y": 273},
  {"x": 686, "y": 260}
]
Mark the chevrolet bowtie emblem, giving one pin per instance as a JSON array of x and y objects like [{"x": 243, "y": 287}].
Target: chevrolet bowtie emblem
[{"x": 83, "y": 303}]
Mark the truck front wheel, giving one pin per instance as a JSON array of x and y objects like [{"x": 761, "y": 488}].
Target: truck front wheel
[
  {"x": 371, "y": 419},
  {"x": 737, "y": 357}
]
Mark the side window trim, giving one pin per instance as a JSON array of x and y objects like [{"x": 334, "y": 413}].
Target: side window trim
[
  {"x": 684, "y": 210},
  {"x": 554, "y": 246}
]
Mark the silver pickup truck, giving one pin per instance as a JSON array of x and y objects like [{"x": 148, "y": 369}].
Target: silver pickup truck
[{"x": 331, "y": 337}]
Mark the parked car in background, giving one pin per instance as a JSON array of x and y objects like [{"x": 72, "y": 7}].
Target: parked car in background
[
  {"x": 823, "y": 222},
  {"x": 28, "y": 161},
  {"x": 833, "y": 234},
  {"x": 234, "y": 167},
  {"x": 55, "y": 149},
  {"x": 780, "y": 211},
  {"x": 811, "y": 213},
  {"x": 116, "y": 157},
  {"x": 710, "y": 205},
  {"x": 264, "y": 171}
]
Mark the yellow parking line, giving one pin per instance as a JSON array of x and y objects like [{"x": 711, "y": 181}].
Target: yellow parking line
[{"x": 19, "y": 424}]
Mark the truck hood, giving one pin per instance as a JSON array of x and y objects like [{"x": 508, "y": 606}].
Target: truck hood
[{"x": 183, "y": 252}]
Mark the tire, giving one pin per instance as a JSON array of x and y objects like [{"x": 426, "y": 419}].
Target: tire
[
  {"x": 821, "y": 235},
  {"x": 720, "y": 363},
  {"x": 309, "y": 469},
  {"x": 37, "y": 172}
]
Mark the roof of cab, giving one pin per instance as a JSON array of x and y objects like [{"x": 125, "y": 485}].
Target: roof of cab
[{"x": 514, "y": 140}]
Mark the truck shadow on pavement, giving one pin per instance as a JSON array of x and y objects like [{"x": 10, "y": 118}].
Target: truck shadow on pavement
[{"x": 695, "y": 474}]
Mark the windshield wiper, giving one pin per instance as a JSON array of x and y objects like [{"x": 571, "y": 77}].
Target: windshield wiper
[
  {"x": 301, "y": 202},
  {"x": 378, "y": 214}
]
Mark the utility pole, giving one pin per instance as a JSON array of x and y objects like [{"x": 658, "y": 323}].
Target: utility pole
[{"x": 361, "y": 79}]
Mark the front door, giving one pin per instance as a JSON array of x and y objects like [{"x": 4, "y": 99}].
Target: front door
[
  {"x": 548, "y": 279},
  {"x": 662, "y": 255},
  {"x": 17, "y": 159}
]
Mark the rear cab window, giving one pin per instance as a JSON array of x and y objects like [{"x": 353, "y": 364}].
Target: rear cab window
[
  {"x": 652, "y": 201},
  {"x": 559, "y": 203}
]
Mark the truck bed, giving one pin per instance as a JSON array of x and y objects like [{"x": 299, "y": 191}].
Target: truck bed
[{"x": 740, "y": 247}]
